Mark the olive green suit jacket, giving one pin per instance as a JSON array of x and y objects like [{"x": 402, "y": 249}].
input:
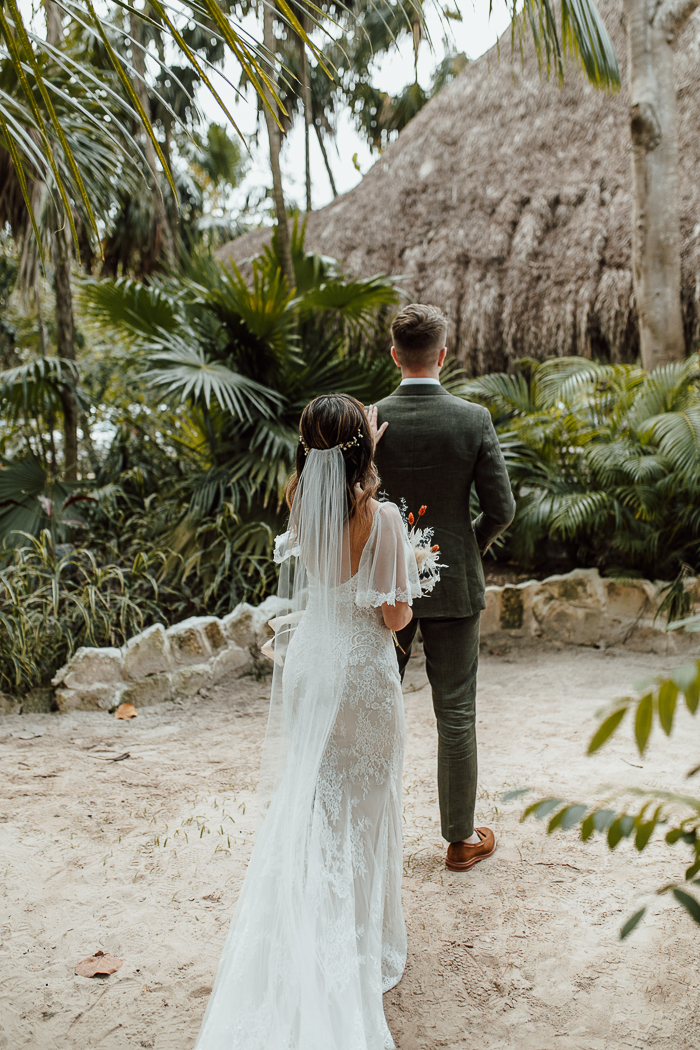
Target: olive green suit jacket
[{"x": 435, "y": 447}]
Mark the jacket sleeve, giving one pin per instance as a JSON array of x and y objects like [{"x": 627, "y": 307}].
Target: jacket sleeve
[{"x": 492, "y": 487}]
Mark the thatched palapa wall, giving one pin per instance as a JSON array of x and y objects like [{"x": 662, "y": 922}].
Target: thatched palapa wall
[{"x": 506, "y": 202}]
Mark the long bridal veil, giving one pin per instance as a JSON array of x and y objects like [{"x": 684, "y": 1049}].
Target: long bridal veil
[{"x": 287, "y": 977}]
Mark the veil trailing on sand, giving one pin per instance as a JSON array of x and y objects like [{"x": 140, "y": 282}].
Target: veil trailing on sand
[{"x": 318, "y": 931}]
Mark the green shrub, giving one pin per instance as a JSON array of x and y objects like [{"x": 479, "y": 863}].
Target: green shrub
[
  {"x": 228, "y": 364},
  {"x": 604, "y": 459},
  {"x": 54, "y": 599}
]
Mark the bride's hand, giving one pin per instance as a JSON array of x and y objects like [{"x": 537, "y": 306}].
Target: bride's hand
[{"x": 372, "y": 417}]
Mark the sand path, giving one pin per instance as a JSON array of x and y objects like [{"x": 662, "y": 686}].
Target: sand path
[{"x": 143, "y": 857}]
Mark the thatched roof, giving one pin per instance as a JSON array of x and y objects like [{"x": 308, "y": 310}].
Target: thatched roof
[{"x": 506, "y": 202}]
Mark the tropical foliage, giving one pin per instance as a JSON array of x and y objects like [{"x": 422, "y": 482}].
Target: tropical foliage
[
  {"x": 677, "y": 814},
  {"x": 198, "y": 380},
  {"x": 57, "y": 597},
  {"x": 604, "y": 459},
  {"x": 231, "y": 365}
]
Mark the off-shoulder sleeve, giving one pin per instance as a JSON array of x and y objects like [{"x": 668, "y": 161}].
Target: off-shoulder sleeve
[
  {"x": 286, "y": 547},
  {"x": 388, "y": 572}
]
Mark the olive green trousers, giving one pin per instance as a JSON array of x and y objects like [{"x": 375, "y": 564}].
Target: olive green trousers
[{"x": 451, "y": 661}]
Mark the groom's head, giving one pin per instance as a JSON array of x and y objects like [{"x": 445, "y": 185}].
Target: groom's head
[{"x": 418, "y": 333}]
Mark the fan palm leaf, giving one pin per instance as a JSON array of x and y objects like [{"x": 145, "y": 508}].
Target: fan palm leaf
[
  {"x": 186, "y": 371},
  {"x": 34, "y": 389},
  {"x": 265, "y": 307},
  {"x": 358, "y": 303},
  {"x": 142, "y": 310}
]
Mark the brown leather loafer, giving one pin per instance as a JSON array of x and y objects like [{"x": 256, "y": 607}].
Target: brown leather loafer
[{"x": 461, "y": 856}]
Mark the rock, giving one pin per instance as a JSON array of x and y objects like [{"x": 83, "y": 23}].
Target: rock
[
  {"x": 188, "y": 642},
  {"x": 187, "y": 681},
  {"x": 152, "y": 689},
  {"x": 511, "y": 615},
  {"x": 490, "y": 616},
  {"x": 147, "y": 653},
  {"x": 88, "y": 698},
  {"x": 233, "y": 658},
  {"x": 193, "y": 641},
  {"x": 88, "y": 666},
  {"x": 238, "y": 625},
  {"x": 573, "y": 609},
  {"x": 215, "y": 633},
  {"x": 646, "y": 638},
  {"x": 629, "y": 599},
  {"x": 569, "y": 609},
  {"x": 570, "y": 624}
]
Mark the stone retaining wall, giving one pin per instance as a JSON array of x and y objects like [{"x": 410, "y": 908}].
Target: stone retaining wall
[
  {"x": 583, "y": 608},
  {"x": 579, "y": 608},
  {"x": 164, "y": 663}
]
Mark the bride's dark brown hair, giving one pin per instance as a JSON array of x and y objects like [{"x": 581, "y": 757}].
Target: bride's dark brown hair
[{"x": 338, "y": 419}]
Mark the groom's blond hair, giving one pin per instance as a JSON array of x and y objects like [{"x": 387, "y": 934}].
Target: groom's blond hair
[{"x": 418, "y": 333}]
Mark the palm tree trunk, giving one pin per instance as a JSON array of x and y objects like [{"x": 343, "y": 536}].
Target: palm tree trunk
[
  {"x": 325, "y": 159},
  {"x": 306, "y": 96},
  {"x": 65, "y": 324},
  {"x": 54, "y": 23},
  {"x": 656, "y": 237},
  {"x": 274, "y": 134},
  {"x": 161, "y": 235},
  {"x": 65, "y": 348}
]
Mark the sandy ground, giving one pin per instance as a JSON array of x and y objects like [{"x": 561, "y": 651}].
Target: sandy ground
[{"x": 143, "y": 857}]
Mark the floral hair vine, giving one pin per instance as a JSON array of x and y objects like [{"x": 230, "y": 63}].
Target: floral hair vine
[{"x": 343, "y": 446}]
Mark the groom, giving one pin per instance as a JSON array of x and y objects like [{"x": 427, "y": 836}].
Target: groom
[{"x": 433, "y": 447}]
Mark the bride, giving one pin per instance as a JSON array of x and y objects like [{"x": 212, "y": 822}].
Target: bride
[{"x": 318, "y": 933}]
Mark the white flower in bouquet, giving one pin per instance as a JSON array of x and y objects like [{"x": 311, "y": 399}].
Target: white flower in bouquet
[{"x": 427, "y": 553}]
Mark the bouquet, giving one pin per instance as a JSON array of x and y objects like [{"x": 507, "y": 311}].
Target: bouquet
[{"x": 427, "y": 553}]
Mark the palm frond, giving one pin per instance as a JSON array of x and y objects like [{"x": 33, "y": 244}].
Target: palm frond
[
  {"x": 357, "y": 302},
  {"x": 678, "y": 437},
  {"x": 265, "y": 307},
  {"x": 187, "y": 373},
  {"x": 507, "y": 394},
  {"x": 34, "y": 389},
  {"x": 144, "y": 310},
  {"x": 583, "y": 36}
]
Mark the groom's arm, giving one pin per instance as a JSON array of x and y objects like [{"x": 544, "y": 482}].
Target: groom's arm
[{"x": 492, "y": 487}]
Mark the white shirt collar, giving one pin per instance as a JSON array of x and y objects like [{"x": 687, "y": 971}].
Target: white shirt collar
[{"x": 411, "y": 381}]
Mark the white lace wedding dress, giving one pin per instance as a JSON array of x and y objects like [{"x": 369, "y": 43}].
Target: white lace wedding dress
[{"x": 318, "y": 935}]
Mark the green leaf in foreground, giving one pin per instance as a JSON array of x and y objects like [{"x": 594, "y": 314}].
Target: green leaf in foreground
[
  {"x": 668, "y": 694},
  {"x": 690, "y": 904},
  {"x": 511, "y": 796},
  {"x": 566, "y": 818},
  {"x": 686, "y": 676},
  {"x": 621, "y": 827},
  {"x": 599, "y": 820},
  {"x": 632, "y": 923},
  {"x": 542, "y": 808},
  {"x": 642, "y": 722},
  {"x": 644, "y": 833},
  {"x": 606, "y": 729}
]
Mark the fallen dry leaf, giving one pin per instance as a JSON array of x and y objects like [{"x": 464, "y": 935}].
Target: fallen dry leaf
[
  {"x": 126, "y": 711},
  {"x": 99, "y": 963}
]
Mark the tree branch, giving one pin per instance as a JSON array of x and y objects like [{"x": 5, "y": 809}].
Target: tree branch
[{"x": 672, "y": 15}]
